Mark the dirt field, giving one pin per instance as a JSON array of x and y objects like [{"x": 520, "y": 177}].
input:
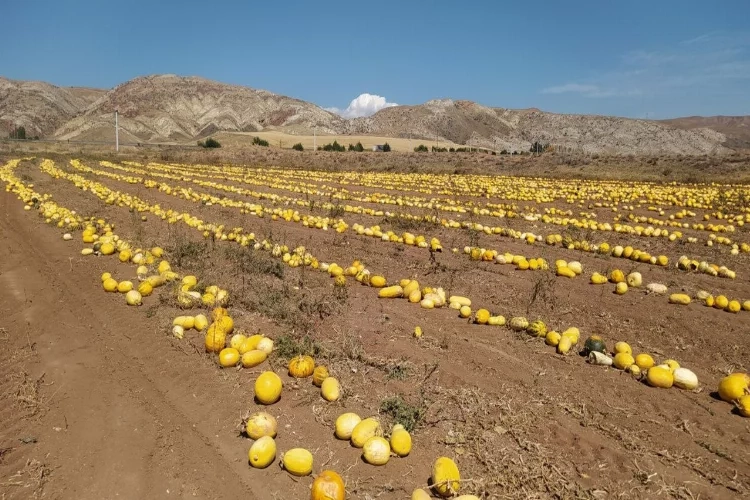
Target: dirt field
[
  {"x": 99, "y": 400},
  {"x": 733, "y": 168}
]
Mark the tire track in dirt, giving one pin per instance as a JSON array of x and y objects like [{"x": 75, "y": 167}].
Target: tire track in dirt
[{"x": 114, "y": 421}]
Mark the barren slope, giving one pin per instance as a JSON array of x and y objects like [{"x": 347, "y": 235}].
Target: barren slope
[
  {"x": 169, "y": 107},
  {"x": 735, "y": 128},
  {"x": 470, "y": 123},
  {"x": 39, "y": 106}
]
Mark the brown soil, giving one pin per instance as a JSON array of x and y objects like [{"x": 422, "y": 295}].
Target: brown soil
[{"x": 99, "y": 401}]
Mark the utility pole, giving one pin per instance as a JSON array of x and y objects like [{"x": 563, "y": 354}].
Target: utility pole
[
  {"x": 117, "y": 134},
  {"x": 315, "y": 138}
]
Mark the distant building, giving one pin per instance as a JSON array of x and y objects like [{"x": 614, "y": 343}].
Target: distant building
[{"x": 378, "y": 147}]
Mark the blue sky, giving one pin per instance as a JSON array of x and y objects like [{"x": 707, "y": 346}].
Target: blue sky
[{"x": 655, "y": 59}]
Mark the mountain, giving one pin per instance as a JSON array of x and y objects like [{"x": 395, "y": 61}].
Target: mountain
[
  {"x": 466, "y": 122},
  {"x": 735, "y": 128},
  {"x": 173, "y": 108},
  {"x": 40, "y": 107},
  {"x": 170, "y": 108}
]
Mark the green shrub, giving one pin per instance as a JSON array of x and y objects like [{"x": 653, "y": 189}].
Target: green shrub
[
  {"x": 298, "y": 147},
  {"x": 257, "y": 141},
  {"x": 210, "y": 143},
  {"x": 386, "y": 147},
  {"x": 421, "y": 149}
]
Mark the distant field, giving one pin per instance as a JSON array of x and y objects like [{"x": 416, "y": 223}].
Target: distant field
[{"x": 283, "y": 140}]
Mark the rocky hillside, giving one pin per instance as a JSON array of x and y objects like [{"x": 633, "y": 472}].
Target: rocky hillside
[
  {"x": 469, "y": 123},
  {"x": 40, "y": 107},
  {"x": 735, "y": 128},
  {"x": 173, "y": 108},
  {"x": 169, "y": 108}
]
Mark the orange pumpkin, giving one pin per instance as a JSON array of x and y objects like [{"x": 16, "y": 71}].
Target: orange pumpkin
[
  {"x": 328, "y": 486},
  {"x": 301, "y": 366},
  {"x": 319, "y": 375}
]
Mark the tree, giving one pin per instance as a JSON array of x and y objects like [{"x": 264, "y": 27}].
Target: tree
[
  {"x": 298, "y": 147},
  {"x": 18, "y": 133},
  {"x": 538, "y": 148},
  {"x": 257, "y": 141},
  {"x": 359, "y": 147},
  {"x": 334, "y": 146},
  {"x": 421, "y": 149},
  {"x": 386, "y": 147}
]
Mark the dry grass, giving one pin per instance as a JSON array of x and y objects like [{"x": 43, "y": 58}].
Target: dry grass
[
  {"x": 31, "y": 478},
  {"x": 493, "y": 440},
  {"x": 28, "y": 393},
  {"x": 286, "y": 141}
]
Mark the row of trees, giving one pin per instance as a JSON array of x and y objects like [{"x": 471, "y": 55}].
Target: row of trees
[
  {"x": 20, "y": 133},
  {"x": 536, "y": 148},
  {"x": 436, "y": 149},
  {"x": 335, "y": 146}
]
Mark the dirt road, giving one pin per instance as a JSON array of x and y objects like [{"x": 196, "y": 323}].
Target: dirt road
[{"x": 98, "y": 404}]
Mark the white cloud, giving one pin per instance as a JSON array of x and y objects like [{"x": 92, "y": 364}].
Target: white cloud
[
  {"x": 589, "y": 90},
  {"x": 571, "y": 87},
  {"x": 363, "y": 105}
]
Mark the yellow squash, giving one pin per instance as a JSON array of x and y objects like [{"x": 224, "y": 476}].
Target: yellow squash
[
  {"x": 376, "y": 451},
  {"x": 734, "y": 386},
  {"x": 345, "y": 425},
  {"x": 298, "y": 462},
  {"x": 364, "y": 430},
  {"x": 268, "y": 388},
  {"x": 660, "y": 376},
  {"x": 446, "y": 479},
  {"x": 330, "y": 389},
  {"x": 261, "y": 424},
  {"x": 229, "y": 357},
  {"x": 262, "y": 453},
  {"x": 400, "y": 441}
]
